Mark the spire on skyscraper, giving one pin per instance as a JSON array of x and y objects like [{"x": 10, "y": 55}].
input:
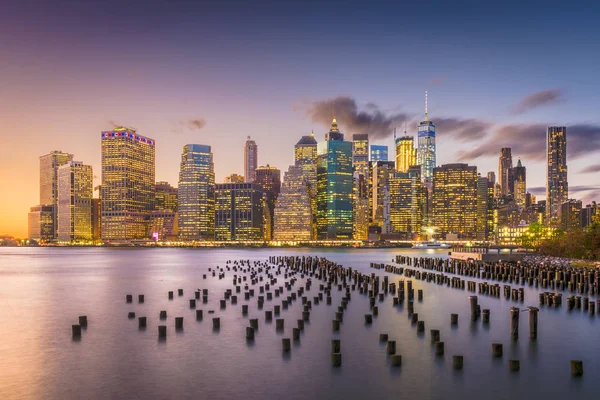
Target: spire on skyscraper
[
  {"x": 426, "y": 105},
  {"x": 334, "y": 126}
]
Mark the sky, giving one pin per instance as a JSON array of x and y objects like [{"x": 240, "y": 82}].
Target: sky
[{"x": 215, "y": 72}]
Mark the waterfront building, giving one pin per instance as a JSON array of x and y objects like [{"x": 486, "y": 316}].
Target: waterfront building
[
  {"x": 165, "y": 197},
  {"x": 334, "y": 186},
  {"x": 504, "y": 166},
  {"x": 163, "y": 225},
  {"x": 293, "y": 213},
  {"x": 379, "y": 153},
  {"x": 196, "y": 193},
  {"x": 127, "y": 191},
  {"x": 570, "y": 215},
  {"x": 408, "y": 199},
  {"x": 360, "y": 152},
  {"x": 360, "y": 214},
  {"x": 426, "y": 148},
  {"x": 239, "y": 212},
  {"x": 557, "y": 187},
  {"x": 513, "y": 236},
  {"x": 234, "y": 178},
  {"x": 75, "y": 192},
  {"x": 96, "y": 219},
  {"x": 406, "y": 153},
  {"x": 518, "y": 185},
  {"x": 49, "y": 164},
  {"x": 41, "y": 223},
  {"x": 379, "y": 175},
  {"x": 305, "y": 157},
  {"x": 482, "y": 208},
  {"x": 454, "y": 200},
  {"x": 590, "y": 214},
  {"x": 269, "y": 178},
  {"x": 250, "y": 160}
]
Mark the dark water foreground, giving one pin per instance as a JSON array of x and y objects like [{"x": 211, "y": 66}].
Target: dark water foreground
[{"x": 43, "y": 291}]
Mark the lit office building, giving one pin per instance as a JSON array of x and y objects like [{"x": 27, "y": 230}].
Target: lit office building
[
  {"x": 293, "y": 214},
  {"x": 360, "y": 152},
  {"x": 239, "y": 212},
  {"x": 96, "y": 219},
  {"x": 163, "y": 225},
  {"x": 504, "y": 166},
  {"x": 75, "y": 192},
  {"x": 127, "y": 191},
  {"x": 269, "y": 178},
  {"x": 250, "y": 160},
  {"x": 49, "y": 164},
  {"x": 360, "y": 222},
  {"x": 407, "y": 197},
  {"x": 234, "y": 178},
  {"x": 196, "y": 193},
  {"x": 41, "y": 223},
  {"x": 570, "y": 215},
  {"x": 454, "y": 200},
  {"x": 406, "y": 153},
  {"x": 305, "y": 157},
  {"x": 379, "y": 175},
  {"x": 482, "y": 208},
  {"x": 518, "y": 184},
  {"x": 165, "y": 197},
  {"x": 379, "y": 153},
  {"x": 590, "y": 214},
  {"x": 426, "y": 151},
  {"x": 334, "y": 186},
  {"x": 557, "y": 187}
]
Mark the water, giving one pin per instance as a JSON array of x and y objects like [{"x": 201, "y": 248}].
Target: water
[{"x": 43, "y": 291}]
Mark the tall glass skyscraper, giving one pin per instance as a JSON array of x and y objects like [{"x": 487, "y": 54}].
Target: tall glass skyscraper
[
  {"x": 406, "y": 154},
  {"x": 360, "y": 152},
  {"x": 196, "y": 193},
  {"x": 293, "y": 214},
  {"x": 426, "y": 147},
  {"x": 239, "y": 212},
  {"x": 518, "y": 184},
  {"x": 305, "y": 157},
  {"x": 49, "y": 164},
  {"x": 379, "y": 153},
  {"x": 250, "y": 160},
  {"x": 504, "y": 165},
  {"x": 127, "y": 191},
  {"x": 75, "y": 192},
  {"x": 334, "y": 186},
  {"x": 557, "y": 186}
]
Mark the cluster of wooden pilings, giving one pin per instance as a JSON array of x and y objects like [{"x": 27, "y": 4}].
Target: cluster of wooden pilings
[{"x": 278, "y": 280}]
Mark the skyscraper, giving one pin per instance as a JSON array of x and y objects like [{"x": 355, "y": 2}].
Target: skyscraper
[
  {"x": 75, "y": 192},
  {"x": 196, "y": 193},
  {"x": 360, "y": 152},
  {"x": 334, "y": 186},
  {"x": 426, "y": 147},
  {"x": 482, "y": 207},
  {"x": 491, "y": 177},
  {"x": 406, "y": 154},
  {"x": 557, "y": 187},
  {"x": 127, "y": 191},
  {"x": 234, "y": 178},
  {"x": 455, "y": 199},
  {"x": 305, "y": 157},
  {"x": 269, "y": 178},
  {"x": 379, "y": 175},
  {"x": 360, "y": 208},
  {"x": 518, "y": 184},
  {"x": 379, "y": 153},
  {"x": 239, "y": 212},
  {"x": 250, "y": 160},
  {"x": 293, "y": 213},
  {"x": 41, "y": 223},
  {"x": 406, "y": 208},
  {"x": 49, "y": 164},
  {"x": 504, "y": 166},
  {"x": 570, "y": 215}
]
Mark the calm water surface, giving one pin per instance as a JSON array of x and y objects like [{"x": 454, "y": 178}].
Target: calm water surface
[{"x": 43, "y": 291}]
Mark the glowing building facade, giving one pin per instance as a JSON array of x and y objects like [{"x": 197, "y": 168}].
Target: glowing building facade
[
  {"x": 518, "y": 184},
  {"x": 127, "y": 191},
  {"x": 504, "y": 166},
  {"x": 360, "y": 208},
  {"x": 49, "y": 164},
  {"x": 454, "y": 200},
  {"x": 379, "y": 175},
  {"x": 239, "y": 212},
  {"x": 426, "y": 151},
  {"x": 196, "y": 193},
  {"x": 407, "y": 201},
  {"x": 293, "y": 213},
  {"x": 75, "y": 192},
  {"x": 269, "y": 178},
  {"x": 234, "y": 178},
  {"x": 406, "y": 154},
  {"x": 557, "y": 187},
  {"x": 379, "y": 153},
  {"x": 360, "y": 152},
  {"x": 165, "y": 197},
  {"x": 570, "y": 215},
  {"x": 250, "y": 160},
  {"x": 305, "y": 157},
  {"x": 334, "y": 186},
  {"x": 41, "y": 223}
]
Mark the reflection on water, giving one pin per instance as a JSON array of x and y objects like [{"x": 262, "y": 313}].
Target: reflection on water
[{"x": 45, "y": 290}]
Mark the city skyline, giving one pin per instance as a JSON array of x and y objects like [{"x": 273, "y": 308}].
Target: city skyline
[{"x": 123, "y": 78}]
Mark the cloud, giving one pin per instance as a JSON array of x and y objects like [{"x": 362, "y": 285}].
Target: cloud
[
  {"x": 590, "y": 169},
  {"x": 538, "y": 99},
  {"x": 463, "y": 129},
  {"x": 537, "y": 190},
  {"x": 189, "y": 125},
  {"x": 374, "y": 121},
  {"x": 583, "y": 188}
]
